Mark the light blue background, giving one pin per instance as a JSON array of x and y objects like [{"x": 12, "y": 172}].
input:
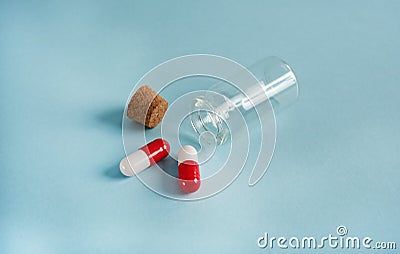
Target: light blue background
[{"x": 67, "y": 68}]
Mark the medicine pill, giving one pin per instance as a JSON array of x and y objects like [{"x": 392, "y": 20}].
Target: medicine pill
[
  {"x": 144, "y": 157},
  {"x": 188, "y": 169}
]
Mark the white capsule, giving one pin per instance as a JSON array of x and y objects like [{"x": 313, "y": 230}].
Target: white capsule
[
  {"x": 140, "y": 162},
  {"x": 187, "y": 153}
]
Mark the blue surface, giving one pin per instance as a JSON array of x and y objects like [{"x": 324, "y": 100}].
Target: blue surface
[{"x": 67, "y": 68}]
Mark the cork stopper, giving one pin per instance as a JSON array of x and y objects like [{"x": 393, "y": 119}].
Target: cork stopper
[{"x": 147, "y": 107}]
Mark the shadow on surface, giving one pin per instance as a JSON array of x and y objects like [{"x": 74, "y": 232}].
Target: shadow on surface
[
  {"x": 112, "y": 117},
  {"x": 114, "y": 173},
  {"x": 169, "y": 166},
  {"x": 111, "y": 120}
]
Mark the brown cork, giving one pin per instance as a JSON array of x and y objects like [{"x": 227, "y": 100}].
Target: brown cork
[{"x": 147, "y": 107}]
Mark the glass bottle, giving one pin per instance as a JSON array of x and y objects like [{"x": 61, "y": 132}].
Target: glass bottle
[{"x": 276, "y": 85}]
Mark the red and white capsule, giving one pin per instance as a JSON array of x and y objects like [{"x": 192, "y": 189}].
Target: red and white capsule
[
  {"x": 144, "y": 157},
  {"x": 188, "y": 169}
]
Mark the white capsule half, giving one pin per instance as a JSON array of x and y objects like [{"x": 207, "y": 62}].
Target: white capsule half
[
  {"x": 134, "y": 163},
  {"x": 187, "y": 153}
]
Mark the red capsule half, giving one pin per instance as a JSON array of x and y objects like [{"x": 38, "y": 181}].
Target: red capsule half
[
  {"x": 188, "y": 169},
  {"x": 156, "y": 150}
]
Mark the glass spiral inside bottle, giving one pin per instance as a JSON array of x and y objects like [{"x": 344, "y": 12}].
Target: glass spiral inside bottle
[{"x": 204, "y": 118}]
